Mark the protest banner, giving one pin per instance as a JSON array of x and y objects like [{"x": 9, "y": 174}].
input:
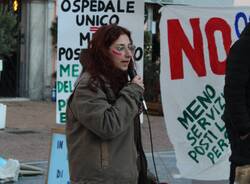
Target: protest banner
[
  {"x": 58, "y": 171},
  {"x": 77, "y": 22},
  {"x": 194, "y": 45},
  {"x": 216, "y": 3}
]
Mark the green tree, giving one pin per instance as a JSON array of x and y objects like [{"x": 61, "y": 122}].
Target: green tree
[
  {"x": 151, "y": 71},
  {"x": 8, "y": 34}
]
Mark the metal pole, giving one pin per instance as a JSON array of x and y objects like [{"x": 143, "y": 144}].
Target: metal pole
[{"x": 1, "y": 68}]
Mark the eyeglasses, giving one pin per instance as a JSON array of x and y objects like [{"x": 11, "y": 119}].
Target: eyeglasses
[{"x": 123, "y": 47}]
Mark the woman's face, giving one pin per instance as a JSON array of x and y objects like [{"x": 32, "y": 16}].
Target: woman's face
[{"x": 121, "y": 52}]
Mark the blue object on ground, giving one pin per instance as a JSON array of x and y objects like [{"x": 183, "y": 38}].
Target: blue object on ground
[{"x": 2, "y": 162}]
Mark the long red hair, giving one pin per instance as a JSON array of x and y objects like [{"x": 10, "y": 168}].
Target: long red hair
[{"x": 97, "y": 60}]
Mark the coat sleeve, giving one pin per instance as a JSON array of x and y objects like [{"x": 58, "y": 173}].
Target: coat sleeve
[
  {"x": 236, "y": 85},
  {"x": 103, "y": 119}
]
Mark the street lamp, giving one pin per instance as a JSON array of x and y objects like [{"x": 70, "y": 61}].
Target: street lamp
[{"x": 15, "y": 5}]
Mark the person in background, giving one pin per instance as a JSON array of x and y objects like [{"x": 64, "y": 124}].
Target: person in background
[
  {"x": 237, "y": 104},
  {"x": 103, "y": 129}
]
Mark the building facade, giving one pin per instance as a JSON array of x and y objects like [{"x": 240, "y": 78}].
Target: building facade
[{"x": 37, "y": 54}]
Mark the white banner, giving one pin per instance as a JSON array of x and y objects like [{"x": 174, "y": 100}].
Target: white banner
[
  {"x": 77, "y": 21},
  {"x": 194, "y": 45},
  {"x": 205, "y": 3}
]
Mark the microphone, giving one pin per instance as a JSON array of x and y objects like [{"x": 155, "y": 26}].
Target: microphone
[{"x": 132, "y": 73}]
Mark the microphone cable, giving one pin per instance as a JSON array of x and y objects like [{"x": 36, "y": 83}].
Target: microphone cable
[
  {"x": 151, "y": 142},
  {"x": 132, "y": 73}
]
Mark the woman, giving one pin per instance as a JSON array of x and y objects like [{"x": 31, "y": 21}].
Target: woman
[{"x": 103, "y": 130}]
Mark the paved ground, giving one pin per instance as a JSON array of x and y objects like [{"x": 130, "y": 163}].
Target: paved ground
[
  {"x": 28, "y": 131},
  {"x": 27, "y": 138}
]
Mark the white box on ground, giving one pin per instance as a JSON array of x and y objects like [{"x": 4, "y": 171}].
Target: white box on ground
[
  {"x": 2, "y": 116},
  {"x": 1, "y": 65}
]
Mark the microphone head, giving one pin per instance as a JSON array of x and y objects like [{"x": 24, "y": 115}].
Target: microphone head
[{"x": 131, "y": 70}]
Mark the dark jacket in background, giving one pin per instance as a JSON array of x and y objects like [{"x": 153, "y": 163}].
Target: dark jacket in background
[
  {"x": 237, "y": 97},
  {"x": 100, "y": 128}
]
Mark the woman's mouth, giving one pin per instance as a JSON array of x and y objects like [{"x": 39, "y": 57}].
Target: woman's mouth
[{"x": 124, "y": 61}]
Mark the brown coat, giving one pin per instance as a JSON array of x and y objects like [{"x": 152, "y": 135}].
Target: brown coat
[{"x": 100, "y": 135}]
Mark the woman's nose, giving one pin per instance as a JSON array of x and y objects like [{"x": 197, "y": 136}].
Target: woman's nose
[{"x": 129, "y": 53}]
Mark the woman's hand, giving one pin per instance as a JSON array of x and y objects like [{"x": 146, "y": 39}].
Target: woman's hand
[{"x": 138, "y": 80}]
